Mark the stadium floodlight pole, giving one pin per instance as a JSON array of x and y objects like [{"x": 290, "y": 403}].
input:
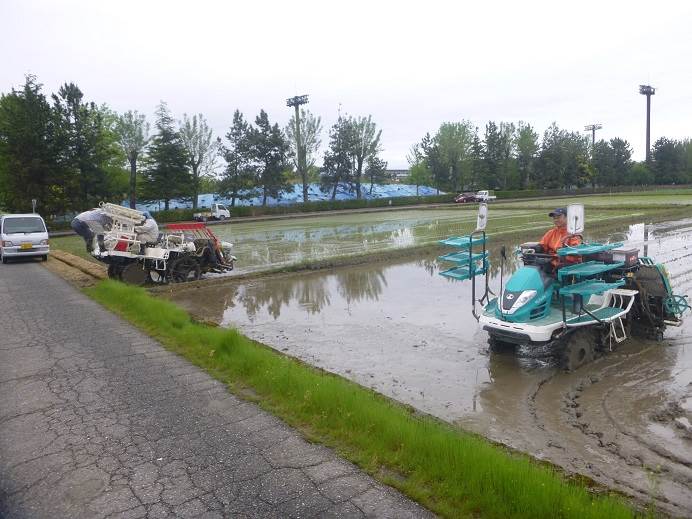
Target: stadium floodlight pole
[
  {"x": 592, "y": 128},
  {"x": 648, "y": 91},
  {"x": 296, "y": 102}
]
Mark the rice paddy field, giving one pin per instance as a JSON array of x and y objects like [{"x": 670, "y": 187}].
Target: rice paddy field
[{"x": 270, "y": 244}]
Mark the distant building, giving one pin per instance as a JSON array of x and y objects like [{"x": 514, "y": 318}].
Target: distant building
[{"x": 398, "y": 175}]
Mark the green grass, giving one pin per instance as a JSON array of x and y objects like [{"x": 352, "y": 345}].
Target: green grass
[
  {"x": 615, "y": 202},
  {"x": 72, "y": 244},
  {"x": 452, "y": 473}
]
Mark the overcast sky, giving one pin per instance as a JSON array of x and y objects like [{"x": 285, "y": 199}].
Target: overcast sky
[{"x": 412, "y": 65}]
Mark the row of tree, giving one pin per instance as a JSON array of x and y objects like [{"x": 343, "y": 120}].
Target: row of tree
[
  {"x": 70, "y": 154},
  {"x": 510, "y": 156}
]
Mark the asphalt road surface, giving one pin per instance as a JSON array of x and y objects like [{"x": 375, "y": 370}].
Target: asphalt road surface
[{"x": 98, "y": 420}]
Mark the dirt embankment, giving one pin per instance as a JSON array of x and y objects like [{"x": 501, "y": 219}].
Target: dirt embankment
[{"x": 74, "y": 269}]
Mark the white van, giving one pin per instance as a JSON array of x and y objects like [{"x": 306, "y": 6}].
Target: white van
[{"x": 23, "y": 235}]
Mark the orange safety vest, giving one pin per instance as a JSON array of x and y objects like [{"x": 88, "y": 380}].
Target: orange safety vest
[{"x": 552, "y": 241}]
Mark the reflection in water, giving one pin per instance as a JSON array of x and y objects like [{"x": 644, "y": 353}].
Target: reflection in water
[
  {"x": 307, "y": 293},
  {"x": 355, "y": 286},
  {"x": 263, "y": 245},
  {"x": 314, "y": 292},
  {"x": 311, "y": 295}
]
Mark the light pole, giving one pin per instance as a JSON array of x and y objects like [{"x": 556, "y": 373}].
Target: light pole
[
  {"x": 592, "y": 128},
  {"x": 648, "y": 91},
  {"x": 296, "y": 102}
]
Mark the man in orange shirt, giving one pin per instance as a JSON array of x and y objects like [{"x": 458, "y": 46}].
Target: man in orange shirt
[{"x": 553, "y": 239}]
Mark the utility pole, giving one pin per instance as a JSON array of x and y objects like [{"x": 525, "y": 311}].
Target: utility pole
[
  {"x": 296, "y": 102},
  {"x": 592, "y": 128},
  {"x": 648, "y": 91}
]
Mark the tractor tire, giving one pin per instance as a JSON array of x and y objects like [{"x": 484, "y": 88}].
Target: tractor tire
[
  {"x": 134, "y": 274},
  {"x": 114, "y": 271},
  {"x": 496, "y": 345},
  {"x": 579, "y": 350},
  {"x": 156, "y": 277},
  {"x": 184, "y": 269}
]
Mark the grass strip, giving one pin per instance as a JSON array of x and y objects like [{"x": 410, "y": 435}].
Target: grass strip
[{"x": 450, "y": 472}]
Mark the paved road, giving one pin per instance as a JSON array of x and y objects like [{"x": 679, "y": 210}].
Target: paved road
[{"x": 98, "y": 420}]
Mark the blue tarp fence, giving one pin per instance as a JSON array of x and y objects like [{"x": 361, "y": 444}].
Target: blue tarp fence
[{"x": 315, "y": 194}]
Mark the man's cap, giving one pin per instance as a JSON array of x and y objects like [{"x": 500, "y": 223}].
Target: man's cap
[{"x": 558, "y": 211}]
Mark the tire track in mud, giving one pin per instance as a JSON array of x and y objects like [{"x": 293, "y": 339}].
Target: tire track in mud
[
  {"x": 627, "y": 408},
  {"x": 578, "y": 415}
]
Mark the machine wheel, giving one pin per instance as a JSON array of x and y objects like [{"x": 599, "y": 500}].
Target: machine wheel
[
  {"x": 114, "y": 271},
  {"x": 134, "y": 274},
  {"x": 497, "y": 346},
  {"x": 222, "y": 217},
  {"x": 156, "y": 276},
  {"x": 579, "y": 349},
  {"x": 184, "y": 269}
]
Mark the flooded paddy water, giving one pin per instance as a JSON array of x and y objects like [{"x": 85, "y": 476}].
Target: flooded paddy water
[
  {"x": 406, "y": 332},
  {"x": 264, "y": 245}
]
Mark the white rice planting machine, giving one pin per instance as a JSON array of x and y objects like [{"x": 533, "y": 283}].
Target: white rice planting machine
[
  {"x": 183, "y": 253},
  {"x": 575, "y": 304}
]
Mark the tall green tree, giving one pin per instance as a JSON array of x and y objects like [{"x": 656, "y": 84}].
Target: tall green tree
[
  {"x": 433, "y": 161},
  {"x": 310, "y": 130},
  {"x": 270, "y": 151},
  {"x": 508, "y": 167},
  {"x": 88, "y": 145},
  {"x": 338, "y": 162},
  {"x": 166, "y": 176},
  {"x": 478, "y": 170},
  {"x": 622, "y": 160},
  {"x": 201, "y": 150},
  {"x": 375, "y": 171},
  {"x": 640, "y": 175},
  {"x": 669, "y": 161},
  {"x": 499, "y": 151},
  {"x": 365, "y": 148},
  {"x": 31, "y": 161},
  {"x": 492, "y": 154},
  {"x": 527, "y": 149},
  {"x": 419, "y": 174},
  {"x": 453, "y": 143},
  {"x": 115, "y": 165},
  {"x": 240, "y": 171},
  {"x": 562, "y": 159},
  {"x": 132, "y": 130}
]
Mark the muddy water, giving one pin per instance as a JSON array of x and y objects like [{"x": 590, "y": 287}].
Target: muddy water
[
  {"x": 405, "y": 331},
  {"x": 269, "y": 244}
]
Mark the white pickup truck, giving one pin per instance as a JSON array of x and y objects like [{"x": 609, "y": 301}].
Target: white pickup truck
[
  {"x": 217, "y": 212},
  {"x": 485, "y": 196}
]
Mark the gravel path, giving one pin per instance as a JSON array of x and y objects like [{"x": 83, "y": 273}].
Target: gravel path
[{"x": 98, "y": 420}]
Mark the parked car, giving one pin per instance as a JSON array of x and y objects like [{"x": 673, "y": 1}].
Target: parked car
[
  {"x": 23, "y": 235},
  {"x": 465, "y": 198}
]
